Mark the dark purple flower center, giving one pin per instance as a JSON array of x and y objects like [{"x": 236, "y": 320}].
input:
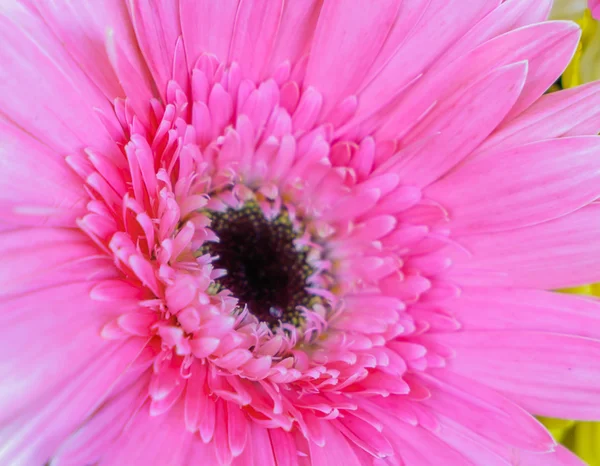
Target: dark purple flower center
[{"x": 266, "y": 271}]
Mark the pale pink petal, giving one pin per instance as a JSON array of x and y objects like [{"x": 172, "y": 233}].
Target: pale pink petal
[
  {"x": 417, "y": 446},
  {"x": 460, "y": 124},
  {"x": 474, "y": 447},
  {"x": 409, "y": 17},
  {"x": 49, "y": 257},
  {"x": 55, "y": 198},
  {"x": 342, "y": 147},
  {"x": 254, "y": 35},
  {"x": 207, "y": 27},
  {"x": 67, "y": 361},
  {"x": 59, "y": 109},
  {"x": 157, "y": 28},
  {"x": 298, "y": 22},
  {"x": 516, "y": 309},
  {"x": 347, "y": 40},
  {"x": 436, "y": 30},
  {"x": 570, "y": 112},
  {"x": 532, "y": 43},
  {"x": 86, "y": 445},
  {"x": 336, "y": 450},
  {"x": 157, "y": 440},
  {"x": 60, "y": 323},
  {"x": 561, "y": 457},
  {"x": 555, "y": 254},
  {"x": 526, "y": 366},
  {"x": 549, "y": 66},
  {"x": 473, "y": 405},
  {"x": 81, "y": 26},
  {"x": 510, "y": 15},
  {"x": 562, "y": 175}
]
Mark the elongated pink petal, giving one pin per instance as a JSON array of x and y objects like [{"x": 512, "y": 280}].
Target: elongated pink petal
[
  {"x": 361, "y": 31},
  {"x": 510, "y": 15},
  {"x": 335, "y": 451},
  {"x": 72, "y": 123},
  {"x": 438, "y": 27},
  {"x": 157, "y": 29},
  {"x": 555, "y": 254},
  {"x": 32, "y": 439},
  {"x": 207, "y": 27},
  {"x": 542, "y": 380},
  {"x": 535, "y": 310},
  {"x": 81, "y": 26},
  {"x": 595, "y": 8},
  {"x": 254, "y": 34},
  {"x": 565, "y": 175},
  {"x": 298, "y": 21},
  {"x": 561, "y": 457},
  {"x": 417, "y": 446},
  {"x": 449, "y": 392},
  {"x": 571, "y": 112},
  {"x": 549, "y": 65},
  {"x": 531, "y": 43},
  {"x": 57, "y": 197},
  {"x": 449, "y": 144}
]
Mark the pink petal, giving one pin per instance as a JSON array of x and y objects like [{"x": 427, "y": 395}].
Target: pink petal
[
  {"x": 157, "y": 440},
  {"x": 48, "y": 257},
  {"x": 346, "y": 42},
  {"x": 284, "y": 448},
  {"x": 549, "y": 65},
  {"x": 81, "y": 27},
  {"x": 595, "y": 8},
  {"x": 59, "y": 109},
  {"x": 157, "y": 28},
  {"x": 536, "y": 183},
  {"x": 298, "y": 22},
  {"x": 461, "y": 123},
  {"x": 534, "y": 310},
  {"x": 487, "y": 413},
  {"x": 254, "y": 35},
  {"x": 555, "y": 254},
  {"x": 436, "y": 29},
  {"x": 548, "y": 374},
  {"x": 532, "y": 43},
  {"x": 42, "y": 422},
  {"x": 570, "y": 112},
  {"x": 508, "y": 16},
  {"x": 56, "y": 197},
  {"x": 337, "y": 450},
  {"x": 259, "y": 450},
  {"x": 87, "y": 444},
  {"x": 416, "y": 445},
  {"x": 561, "y": 457},
  {"x": 207, "y": 27}
]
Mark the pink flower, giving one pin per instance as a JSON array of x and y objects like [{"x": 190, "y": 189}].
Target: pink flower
[{"x": 252, "y": 232}]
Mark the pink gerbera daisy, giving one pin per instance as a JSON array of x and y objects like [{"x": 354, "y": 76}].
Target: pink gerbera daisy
[{"x": 257, "y": 232}]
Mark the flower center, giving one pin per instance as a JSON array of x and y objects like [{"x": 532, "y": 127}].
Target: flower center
[{"x": 264, "y": 267}]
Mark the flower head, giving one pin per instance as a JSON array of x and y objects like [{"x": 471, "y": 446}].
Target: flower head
[{"x": 304, "y": 232}]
